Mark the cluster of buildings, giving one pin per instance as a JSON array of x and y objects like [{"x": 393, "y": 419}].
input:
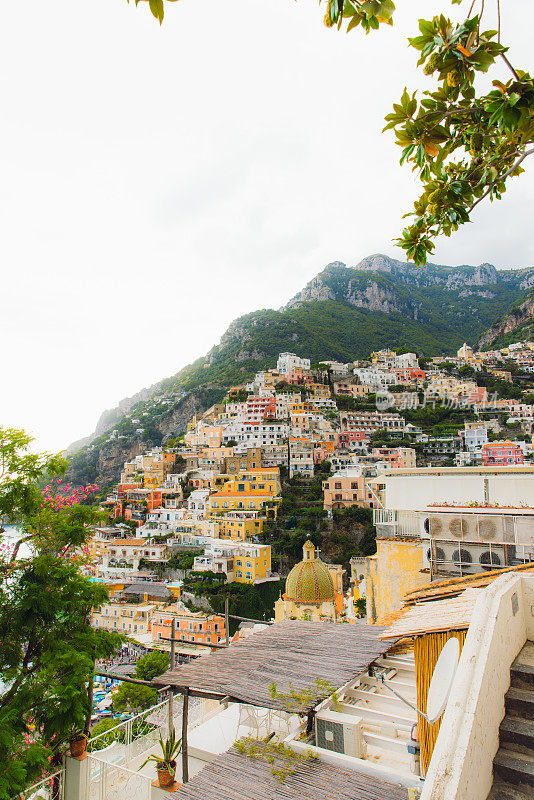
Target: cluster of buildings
[
  {"x": 211, "y": 494},
  {"x": 454, "y": 521}
]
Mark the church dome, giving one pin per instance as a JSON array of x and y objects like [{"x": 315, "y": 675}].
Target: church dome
[{"x": 309, "y": 581}]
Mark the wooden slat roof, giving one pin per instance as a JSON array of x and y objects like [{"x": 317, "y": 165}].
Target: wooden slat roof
[
  {"x": 236, "y": 777},
  {"x": 439, "y": 615},
  {"x": 289, "y": 653},
  {"x": 455, "y": 586}
]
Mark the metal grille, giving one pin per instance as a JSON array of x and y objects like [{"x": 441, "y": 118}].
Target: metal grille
[
  {"x": 114, "y": 782},
  {"x": 335, "y": 741}
]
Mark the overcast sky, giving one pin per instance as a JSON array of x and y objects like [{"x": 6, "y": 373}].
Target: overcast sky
[{"x": 156, "y": 183}]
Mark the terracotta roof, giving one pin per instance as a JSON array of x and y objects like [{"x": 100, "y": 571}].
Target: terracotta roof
[
  {"x": 252, "y": 493},
  {"x": 128, "y": 542},
  {"x": 455, "y": 586},
  {"x": 440, "y": 615}
]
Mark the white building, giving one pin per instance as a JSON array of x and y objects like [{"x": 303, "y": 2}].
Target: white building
[
  {"x": 196, "y": 503},
  {"x": 469, "y": 519},
  {"x": 121, "y": 559},
  {"x": 255, "y": 434},
  {"x": 376, "y": 378},
  {"x": 289, "y": 362}
]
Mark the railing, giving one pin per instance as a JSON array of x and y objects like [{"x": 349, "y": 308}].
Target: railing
[
  {"x": 136, "y": 735},
  {"x": 50, "y": 788},
  {"x": 403, "y": 523},
  {"x": 108, "y": 781}
]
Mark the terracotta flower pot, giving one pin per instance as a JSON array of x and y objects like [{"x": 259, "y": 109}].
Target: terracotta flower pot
[
  {"x": 77, "y": 745},
  {"x": 165, "y": 778}
]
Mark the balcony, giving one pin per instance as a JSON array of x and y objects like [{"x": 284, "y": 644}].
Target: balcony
[{"x": 391, "y": 524}]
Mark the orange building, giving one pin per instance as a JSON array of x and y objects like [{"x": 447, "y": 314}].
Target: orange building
[
  {"x": 190, "y": 626},
  {"x": 347, "y": 488}
]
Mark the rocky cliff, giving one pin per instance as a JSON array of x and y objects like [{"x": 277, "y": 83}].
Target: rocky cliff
[
  {"x": 343, "y": 313},
  {"x": 517, "y": 320}
]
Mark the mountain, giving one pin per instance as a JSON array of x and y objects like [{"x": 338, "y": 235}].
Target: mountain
[
  {"x": 516, "y": 326},
  {"x": 344, "y": 313}
]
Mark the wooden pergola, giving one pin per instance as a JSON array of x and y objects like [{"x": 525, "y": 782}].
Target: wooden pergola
[{"x": 290, "y": 654}]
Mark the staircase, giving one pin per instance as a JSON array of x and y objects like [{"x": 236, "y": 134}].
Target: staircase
[{"x": 513, "y": 765}]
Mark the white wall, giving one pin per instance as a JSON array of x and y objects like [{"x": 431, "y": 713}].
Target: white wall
[
  {"x": 411, "y": 491},
  {"x": 462, "y": 762}
]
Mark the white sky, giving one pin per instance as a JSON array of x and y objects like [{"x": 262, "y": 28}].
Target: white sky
[{"x": 156, "y": 183}]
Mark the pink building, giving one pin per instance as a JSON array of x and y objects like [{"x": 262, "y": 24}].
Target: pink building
[{"x": 501, "y": 454}]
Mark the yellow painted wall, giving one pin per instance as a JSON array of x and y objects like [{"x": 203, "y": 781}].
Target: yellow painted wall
[
  {"x": 393, "y": 571},
  {"x": 258, "y": 569}
]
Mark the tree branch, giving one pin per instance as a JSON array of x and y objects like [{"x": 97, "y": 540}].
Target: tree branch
[
  {"x": 16, "y": 548},
  {"x": 502, "y": 177},
  {"x": 514, "y": 73}
]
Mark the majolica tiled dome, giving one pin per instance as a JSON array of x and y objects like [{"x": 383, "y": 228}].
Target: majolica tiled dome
[{"x": 309, "y": 581}]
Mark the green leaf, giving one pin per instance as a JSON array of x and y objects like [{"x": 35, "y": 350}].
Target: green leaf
[{"x": 156, "y": 6}]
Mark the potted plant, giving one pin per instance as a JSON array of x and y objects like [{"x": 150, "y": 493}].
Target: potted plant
[
  {"x": 166, "y": 764},
  {"x": 77, "y": 742}
]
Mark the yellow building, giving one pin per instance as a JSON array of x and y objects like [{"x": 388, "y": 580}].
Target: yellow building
[
  {"x": 250, "y": 490},
  {"x": 394, "y": 570},
  {"x": 125, "y": 618},
  {"x": 319, "y": 390},
  {"x": 252, "y": 564},
  {"x": 261, "y": 501},
  {"x": 186, "y": 528},
  {"x": 241, "y": 528},
  {"x": 312, "y": 590}
]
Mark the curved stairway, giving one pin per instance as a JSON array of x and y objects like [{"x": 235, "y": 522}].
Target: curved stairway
[{"x": 513, "y": 765}]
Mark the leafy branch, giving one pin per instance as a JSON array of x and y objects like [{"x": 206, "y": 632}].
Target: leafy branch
[{"x": 283, "y": 759}]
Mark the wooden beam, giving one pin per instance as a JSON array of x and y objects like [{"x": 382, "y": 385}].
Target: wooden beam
[
  {"x": 227, "y": 619},
  {"x": 247, "y": 619},
  {"x": 185, "y": 713},
  {"x": 202, "y": 694},
  {"x": 195, "y": 644},
  {"x": 173, "y": 640},
  {"x": 126, "y": 679}
]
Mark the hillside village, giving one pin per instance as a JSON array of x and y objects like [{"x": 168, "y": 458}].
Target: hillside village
[
  {"x": 215, "y": 506},
  {"x": 378, "y": 499},
  {"x": 286, "y": 572},
  {"x": 296, "y": 560}
]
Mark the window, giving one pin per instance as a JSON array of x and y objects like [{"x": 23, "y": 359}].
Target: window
[{"x": 337, "y": 485}]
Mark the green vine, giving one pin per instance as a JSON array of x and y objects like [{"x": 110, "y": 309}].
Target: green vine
[
  {"x": 282, "y": 759},
  {"x": 300, "y": 702}
]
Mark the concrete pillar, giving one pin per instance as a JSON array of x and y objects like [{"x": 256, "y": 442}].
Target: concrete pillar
[{"x": 76, "y": 775}]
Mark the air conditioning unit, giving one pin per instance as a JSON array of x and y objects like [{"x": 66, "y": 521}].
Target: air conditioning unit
[
  {"x": 465, "y": 557},
  {"x": 455, "y": 527},
  {"x": 490, "y": 529},
  {"x": 340, "y": 733},
  {"x": 438, "y": 525}
]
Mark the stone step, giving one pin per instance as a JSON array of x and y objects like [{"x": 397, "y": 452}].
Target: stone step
[
  {"x": 514, "y": 767},
  {"x": 518, "y": 732},
  {"x": 519, "y": 703},
  {"x": 504, "y": 791},
  {"x": 522, "y": 669}
]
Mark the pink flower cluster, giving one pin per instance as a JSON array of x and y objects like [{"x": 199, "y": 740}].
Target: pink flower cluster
[{"x": 57, "y": 496}]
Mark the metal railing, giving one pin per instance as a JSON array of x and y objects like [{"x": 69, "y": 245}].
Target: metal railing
[
  {"x": 134, "y": 736},
  {"x": 107, "y": 781},
  {"x": 402, "y": 523},
  {"x": 51, "y": 787}
]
